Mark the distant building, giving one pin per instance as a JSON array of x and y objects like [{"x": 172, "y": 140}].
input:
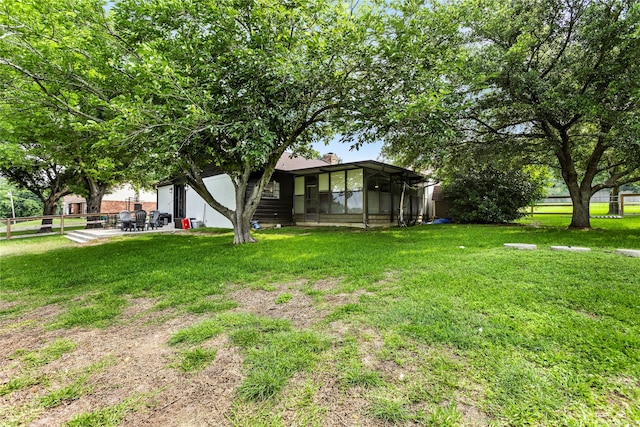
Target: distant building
[{"x": 121, "y": 198}]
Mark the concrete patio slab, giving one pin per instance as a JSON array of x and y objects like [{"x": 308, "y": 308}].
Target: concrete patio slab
[
  {"x": 629, "y": 252},
  {"x": 523, "y": 246},
  {"x": 84, "y": 236},
  {"x": 570, "y": 248}
]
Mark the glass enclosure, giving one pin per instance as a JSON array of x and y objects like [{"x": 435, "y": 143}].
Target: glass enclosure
[{"x": 343, "y": 193}]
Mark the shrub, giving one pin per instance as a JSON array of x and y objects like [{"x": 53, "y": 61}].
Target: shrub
[{"x": 486, "y": 195}]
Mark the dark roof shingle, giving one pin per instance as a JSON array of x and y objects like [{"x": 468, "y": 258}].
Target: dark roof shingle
[{"x": 289, "y": 162}]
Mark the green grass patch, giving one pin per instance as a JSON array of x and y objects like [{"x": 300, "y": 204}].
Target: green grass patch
[
  {"x": 212, "y": 306},
  {"x": 389, "y": 411},
  {"x": 596, "y": 208},
  {"x": 196, "y": 359},
  {"x": 280, "y": 356},
  {"x": 525, "y": 337},
  {"x": 64, "y": 394},
  {"x": 31, "y": 360},
  {"x": 283, "y": 298},
  {"x": 47, "y": 354},
  {"x": 357, "y": 375},
  {"x": 346, "y": 311},
  {"x": 98, "y": 311},
  {"x": 197, "y": 333},
  {"x": 22, "y": 382},
  {"x": 109, "y": 416}
]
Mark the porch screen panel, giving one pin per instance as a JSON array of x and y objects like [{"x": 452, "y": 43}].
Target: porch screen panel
[
  {"x": 324, "y": 196},
  {"x": 354, "y": 191},
  {"x": 299, "y": 186},
  {"x": 298, "y": 191},
  {"x": 354, "y": 180},
  {"x": 354, "y": 201},
  {"x": 323, "y": 182},
  {"x": 385, "y": 196},
  {"x": 373, "y": 201},
  {"x": 385, "y": 203},
  {"x": 337, "y": 181},
  {"x": 338, "y": 202},
  {"x": 298, "y": 206},
  {"x": 323, "y": 203}
]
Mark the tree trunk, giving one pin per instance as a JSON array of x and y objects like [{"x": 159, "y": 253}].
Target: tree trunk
[
  {"x": 241, "y": 218},
  {"x": 580, "y": 217},
  {"x": 94, "y": 202},
  {"x": 614, "y": 201},
  {"x": 50, "y": 208},
  {"x": 242, "y": 233},
  {"x": 580, "y": 192},
  {"x": 246, "y": 201}
]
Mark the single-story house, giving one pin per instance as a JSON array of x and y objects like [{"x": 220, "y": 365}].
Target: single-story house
[{"x": 310, "y": 192}]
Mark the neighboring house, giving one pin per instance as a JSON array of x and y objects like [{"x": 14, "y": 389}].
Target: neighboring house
[
  {"x": 121, "y": 198},
  {"x": 310, "y": 192},
  {"x": 440, "y": 205}
]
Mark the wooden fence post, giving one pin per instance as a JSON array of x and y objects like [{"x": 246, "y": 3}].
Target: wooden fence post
[
  {"x": 8, "y": 228},
  {"x": 61, "y": 224}
]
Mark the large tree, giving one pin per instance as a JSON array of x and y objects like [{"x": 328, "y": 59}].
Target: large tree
[
  {"x": 235, "y": 83},
  {"x": 27, "y": 163},
  {"x": 61, "y": 58},
  {"x": 550, "y": 81}
]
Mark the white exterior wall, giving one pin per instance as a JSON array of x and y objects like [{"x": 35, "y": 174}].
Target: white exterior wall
[
  {"x": 430, "y": 210},
  {"x": 165, "y": 199},
  {"x": 221, "y": 188},
  {"x": 127, "y": 192}
]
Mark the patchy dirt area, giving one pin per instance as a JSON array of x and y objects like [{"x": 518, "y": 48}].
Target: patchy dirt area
[
  {"x": 301, "y": 310},
  {"x": 132, "y": 362}
]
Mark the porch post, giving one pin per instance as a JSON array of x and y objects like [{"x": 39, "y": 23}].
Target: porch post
[{"x": 365, "y": 190}]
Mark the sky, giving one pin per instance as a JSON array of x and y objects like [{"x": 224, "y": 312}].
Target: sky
[{"x": 366, "y": 152}]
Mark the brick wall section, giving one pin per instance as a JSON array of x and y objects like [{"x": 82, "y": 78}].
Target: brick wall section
[{"x": 117, "y": 206}]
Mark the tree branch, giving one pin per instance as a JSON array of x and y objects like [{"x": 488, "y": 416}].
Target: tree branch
[{"x": 61, "y": 103}]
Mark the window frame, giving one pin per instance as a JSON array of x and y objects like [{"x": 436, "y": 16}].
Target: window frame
[{"x": 274, "y": 193}]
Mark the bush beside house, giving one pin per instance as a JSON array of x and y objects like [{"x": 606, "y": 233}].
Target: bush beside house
[{"x": 486, "y": 195}]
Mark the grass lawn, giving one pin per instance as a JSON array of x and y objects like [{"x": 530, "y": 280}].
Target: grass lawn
[
  {"x": 435, "y": 325},
  {"x": 32, "y": 227},
  {"x": 596, "y": 208}
]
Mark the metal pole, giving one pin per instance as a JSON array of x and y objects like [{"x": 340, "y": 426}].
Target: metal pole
[{"x": 13, "y": 210}]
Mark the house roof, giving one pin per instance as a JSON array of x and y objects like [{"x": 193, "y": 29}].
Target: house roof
[
  {"x": 73, "y": 198},
  {"x": 289, "y": 162},
  {"x": 369, "y": 164}
]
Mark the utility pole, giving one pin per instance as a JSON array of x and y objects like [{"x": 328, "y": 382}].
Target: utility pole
[{"x": 13, "y": 210}]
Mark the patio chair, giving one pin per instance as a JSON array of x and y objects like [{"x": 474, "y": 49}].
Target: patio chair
[
  {"x": 126, "y": 222},
  {"x": 154, "y": 219},
  {"x": 139, "y": 220}
]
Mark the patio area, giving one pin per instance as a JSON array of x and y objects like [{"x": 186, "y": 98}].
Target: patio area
[{"x": 87, "y": 235}]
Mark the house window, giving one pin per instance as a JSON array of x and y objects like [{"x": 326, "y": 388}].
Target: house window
[
  {"x": 354, "y": 191},
  {"x": 345, "y": 192},
  {"x": 271, "y": 190},
  {"x": 338, "y": 203}
]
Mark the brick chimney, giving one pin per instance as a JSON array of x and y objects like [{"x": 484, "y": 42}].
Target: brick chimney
[{"x": 331, "y": 158}]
